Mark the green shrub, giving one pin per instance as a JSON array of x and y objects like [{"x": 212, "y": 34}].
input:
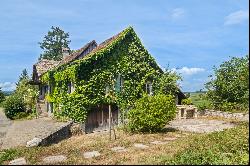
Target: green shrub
[
  {"x": 21, "y": 115},
  {"x": 151, "y": 113},
  {"x": 8, "y": 154},
  {"x": 187, "y": 101},
  {"x": 13, "y": 105}
]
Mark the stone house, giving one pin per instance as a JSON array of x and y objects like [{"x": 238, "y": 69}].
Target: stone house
[{"x": 97, "y": 119}]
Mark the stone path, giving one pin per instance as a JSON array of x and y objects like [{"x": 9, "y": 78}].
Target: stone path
[
  {"x": 54, "y": 159},
  {"x": 141, "y": 146},
  {"x": 200, "y": 125},
  {"x": 18, "y": 133},
  {"x": 92, "y": 154},
  {"x": 4, "y": 126},
  {"x": 119, "y": 149},
  {"x": 19, "y": 161}
]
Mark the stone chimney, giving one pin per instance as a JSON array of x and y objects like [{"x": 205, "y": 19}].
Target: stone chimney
[{"x": 65, "y": 52}]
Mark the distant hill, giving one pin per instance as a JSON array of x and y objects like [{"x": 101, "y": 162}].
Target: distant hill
[{"x": 7, "y": 93}]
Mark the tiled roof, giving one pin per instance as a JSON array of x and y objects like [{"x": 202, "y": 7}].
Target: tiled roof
[
  {"x": 105, "y": 43},
  {"x": 44, "y": 65},
  {"x": 76, "y": 54}
]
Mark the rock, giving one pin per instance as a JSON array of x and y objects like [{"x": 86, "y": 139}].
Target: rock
[
  {"x": 19, "y": 161},
  {"x": 54, "y": 159},
  {"x": 118, "y": 149},
  {"x": 34, "y": 142},
  {"x": 91, "y": 154},
  {"x": 140, "y": 146}
]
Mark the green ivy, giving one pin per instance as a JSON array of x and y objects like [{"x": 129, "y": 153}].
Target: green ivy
[{"x": 125, "y": 56}]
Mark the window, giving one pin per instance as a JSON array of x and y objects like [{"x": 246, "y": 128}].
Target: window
[
  {"x": 149, "y": 89},
  {"x": 119, "y": 83},
  {"x": 69, "y": 87}
]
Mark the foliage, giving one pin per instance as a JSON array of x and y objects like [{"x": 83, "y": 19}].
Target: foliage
[
  {"x": 151, "y": 113},
  {"x": 13, "y": 105},
  {"x": 186, "y": 101},
  {"x": 98, "y": 71},
  {"x": 8, "y": 154},
  {"x": 230, "y": 147},
  {"x": 53, "y": 42},
  {"x": 2, "y": 96},
  {"x": 22, "y": 102},
  {"x": 24, "y": 76},
  {"x": 167, "y": 83},
  {"x": 230, "y": 85}
]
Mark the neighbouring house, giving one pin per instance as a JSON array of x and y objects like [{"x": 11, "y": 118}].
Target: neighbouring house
[{"x": 85, "y": 83}]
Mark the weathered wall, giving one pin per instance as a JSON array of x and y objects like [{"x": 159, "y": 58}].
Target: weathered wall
[{"x": 238, "y": 116}]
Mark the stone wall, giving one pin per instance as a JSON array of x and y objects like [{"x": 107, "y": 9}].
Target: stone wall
[
  {"x": 62, "y": 133},
  {"x": 238, "y": 116}
]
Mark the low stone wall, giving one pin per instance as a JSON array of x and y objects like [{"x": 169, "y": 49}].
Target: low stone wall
[
  {"x": 238, "y": 116},
  {"x": 62, "y": 133}
]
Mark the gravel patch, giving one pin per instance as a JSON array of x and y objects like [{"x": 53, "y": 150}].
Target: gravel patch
[{"x": 201, "y": 125}]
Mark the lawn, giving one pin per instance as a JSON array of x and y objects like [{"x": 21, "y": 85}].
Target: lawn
[{"x": 226, "y": 147}]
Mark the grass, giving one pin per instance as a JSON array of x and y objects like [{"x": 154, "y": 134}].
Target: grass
[
  {"x": 198, "y": 98},
  {"x": 229, "y": 147},
  {"x": 226, "y": 147}
]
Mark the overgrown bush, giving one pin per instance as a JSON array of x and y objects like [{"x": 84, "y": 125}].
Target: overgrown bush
[
  {"x": 151, "y": 113},
  {"x": 187, "y": 101},
  {"x": 230, "y": 84},
  {"x": 13, "y": 105}
]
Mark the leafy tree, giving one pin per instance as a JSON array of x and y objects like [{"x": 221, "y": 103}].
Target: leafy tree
[
  {"x": 167, "y": 83},
  {"x": 53, "y": 42},
  {"x": 230, "y": 83},
  {"x": 2, "y": 96}
]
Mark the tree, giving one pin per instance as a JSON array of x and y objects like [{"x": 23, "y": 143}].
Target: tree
[
  {"x": 23, "y": 76},
  {"x": 2, "y": 96},
  {"x": 53, "y": 42},
  {"x": 230, "y": 83}
]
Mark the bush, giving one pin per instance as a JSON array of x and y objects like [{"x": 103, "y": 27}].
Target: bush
[
  {"x": 151, "y": 113},
  {"x": 187, "y": 101},
  {"x": 230, "y": 84},
  {"x": 13, "y": 105}
]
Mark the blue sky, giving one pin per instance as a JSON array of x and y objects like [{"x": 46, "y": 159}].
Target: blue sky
[{"x": 190, "y": 35}]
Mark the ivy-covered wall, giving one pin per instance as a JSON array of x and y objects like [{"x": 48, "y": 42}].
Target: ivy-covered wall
[{"x": 125, "y": 57}]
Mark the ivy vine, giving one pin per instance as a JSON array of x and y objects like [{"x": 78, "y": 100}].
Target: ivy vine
[{"x": 125, "y": 56}]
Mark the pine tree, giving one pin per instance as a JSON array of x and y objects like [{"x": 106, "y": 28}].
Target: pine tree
[{"x": 53, "y": 42}]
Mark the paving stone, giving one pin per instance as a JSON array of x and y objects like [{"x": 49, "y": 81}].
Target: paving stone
[
  {"x": 141, "y": 146},
  {"x": 19, "y": 161},
  {"x": 118, "y": 149},
  {"x": 158, "y": 142},
  {"x": 91, "y": 154},
  {"x": 54, "y": 159}
]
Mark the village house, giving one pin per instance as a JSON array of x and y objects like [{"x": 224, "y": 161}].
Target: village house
[{"x": 92, "y": 63}]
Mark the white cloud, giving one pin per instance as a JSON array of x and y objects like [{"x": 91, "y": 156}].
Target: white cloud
[
  {"x": 8, "y": 86},
  {"x": 237, "y": 17},
  {"x": 177, "y": 13},
  {"x": 188, "y": 71}
]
